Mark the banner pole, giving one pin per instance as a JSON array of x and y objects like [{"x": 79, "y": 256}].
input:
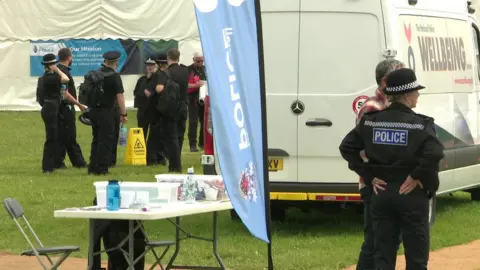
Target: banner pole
[{"x": 263, "y": 96}]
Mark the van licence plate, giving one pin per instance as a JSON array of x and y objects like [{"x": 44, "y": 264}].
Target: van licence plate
[{"x": 275, "y": 164}]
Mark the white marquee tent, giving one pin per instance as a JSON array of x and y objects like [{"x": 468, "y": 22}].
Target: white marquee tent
[{"x": 30, "y": 20}]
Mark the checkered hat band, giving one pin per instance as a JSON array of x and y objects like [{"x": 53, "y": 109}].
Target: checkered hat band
[{"x": 404, "y": 87}]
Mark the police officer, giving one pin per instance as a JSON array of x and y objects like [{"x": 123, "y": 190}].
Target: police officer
[
  {"x": 374, "y": 103},
  {"x": 101, "y": 117},
  {"x": 163, "y": 127},
  {"x": 67, "y": 125},
  {"x": 51, "y": 83},
  {"x": 180, "y": 74},
  {"x": 403, "y": 155},
  {"x": 156, "y": 154},
  {"x": 141, "y": 95}
]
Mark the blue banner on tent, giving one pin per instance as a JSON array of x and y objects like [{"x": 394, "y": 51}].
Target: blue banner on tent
[
  {"x": 228, "y": 34},
  {"x": 88, "y": 53}
]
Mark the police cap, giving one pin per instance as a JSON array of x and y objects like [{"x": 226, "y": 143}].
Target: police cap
[
  {"x": 111, "y": 55},
  {"x": 49, "y": 59},
  {"x": 161, "y": 58},
  {"x": 402, "y": 81},
  {"x": 84, "y": 118},
  {"x": 150, "y": 60}
]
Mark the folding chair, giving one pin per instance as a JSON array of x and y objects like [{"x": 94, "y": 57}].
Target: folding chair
[
  {"x": 151, "y": 245},
  {"x": 16, "y": 212}
]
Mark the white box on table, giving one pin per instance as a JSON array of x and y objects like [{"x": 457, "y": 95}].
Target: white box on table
[
  {"x": 204, "y": 182},
  {"x": 145, "y": 192}
]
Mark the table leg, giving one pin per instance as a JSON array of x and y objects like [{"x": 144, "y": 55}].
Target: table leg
[
  {"x": 131, "y": 233},
  {"x": 90, "y": 244},
  {"x": 215, "y": 237},
  {"x": 177, "y": 244},
  {"x": 178, "y": 239}
]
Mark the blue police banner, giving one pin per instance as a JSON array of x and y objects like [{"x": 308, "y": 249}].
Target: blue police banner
[
  {"x": 228, "y": 33},
  {"x": 88, "y": 53}
]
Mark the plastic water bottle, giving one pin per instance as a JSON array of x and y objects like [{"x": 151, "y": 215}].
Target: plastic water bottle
[
  {"x": 113, "y": 195},
  {"x": 63, "y": 90},
  {"x": 190, "y": 189},
  {"x": 123, "y": 136}
]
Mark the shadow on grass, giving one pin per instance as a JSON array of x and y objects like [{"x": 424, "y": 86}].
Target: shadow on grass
[{"x": 350, "y": 221}]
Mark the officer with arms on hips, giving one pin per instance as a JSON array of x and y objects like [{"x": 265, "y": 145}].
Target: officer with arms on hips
[
  {"x": 403, "y": 156},
  {"x": 67, "y": 125},
  {"x": 374, "y": 103},
  {"x": 101, "y": 117},
  {"x": 49, "y": 99}
]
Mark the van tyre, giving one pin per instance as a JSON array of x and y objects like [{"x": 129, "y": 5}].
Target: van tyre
[
  {"x": 234, "y": 215},
  {"x": 475, "y": 194},
  {"x": 278, "y": 214}
]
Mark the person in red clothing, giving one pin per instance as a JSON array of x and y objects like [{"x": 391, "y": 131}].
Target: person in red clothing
[
  {"x": 374, "y": 103},
  {"x": 197, "y": 77}
]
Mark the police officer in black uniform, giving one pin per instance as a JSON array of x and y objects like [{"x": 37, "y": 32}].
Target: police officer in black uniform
[
  {"x": 180, "y": 75},
  {"x": 163, "y": 130},
  {"x": 67, "y": 125},
  {"x": 101, "y": 117},
  {"x": 403, "y": 155},
  {"x": 50, "y": 100},
  {"x": 156, "y": 153},
  {"x": 141, "y": 95}
]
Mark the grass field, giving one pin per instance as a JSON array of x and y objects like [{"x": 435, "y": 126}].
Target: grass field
[{"x": 304, "y": 241}]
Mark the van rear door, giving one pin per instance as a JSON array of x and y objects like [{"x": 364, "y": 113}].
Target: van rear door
[
  {"x": 280, "y": 23},
  {"x": 341, "y": 43}
]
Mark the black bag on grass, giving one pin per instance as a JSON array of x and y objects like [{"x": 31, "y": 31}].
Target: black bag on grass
[{"x": 112, "y": 232}]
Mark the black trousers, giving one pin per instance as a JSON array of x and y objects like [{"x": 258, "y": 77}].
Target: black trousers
[
  {"x": 163, "y": 139},
  {"x": 181, "y": 126},
  {"x": 142, "y": 121},
  {"x": 367, "y": 251},
  {"x": 116, "y": 135},
  {"x": 68, "y": 137},
  {"x": 195, "y": 115},
  {"x": 51, "y": 153},
  {"x": 103, "y": 129},
  {"x": 392, "y": 213}
]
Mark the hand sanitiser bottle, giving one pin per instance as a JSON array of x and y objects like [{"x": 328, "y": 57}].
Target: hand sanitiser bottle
[{"x": 190, "y": 189}]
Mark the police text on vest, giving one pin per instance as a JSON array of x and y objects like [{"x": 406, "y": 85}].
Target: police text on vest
[{"x": 390, "y": 136}]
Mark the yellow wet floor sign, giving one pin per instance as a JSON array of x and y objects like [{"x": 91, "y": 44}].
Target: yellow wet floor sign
[{"x": 136, "y": 148}]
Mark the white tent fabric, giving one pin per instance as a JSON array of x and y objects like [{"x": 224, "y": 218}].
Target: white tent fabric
[{"x": 26, "y": 20}]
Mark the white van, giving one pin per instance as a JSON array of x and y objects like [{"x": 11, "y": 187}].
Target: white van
[{"x": 320, "y": 58}]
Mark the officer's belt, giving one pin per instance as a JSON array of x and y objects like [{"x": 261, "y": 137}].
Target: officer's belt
[{"x": 391, "y": 174}]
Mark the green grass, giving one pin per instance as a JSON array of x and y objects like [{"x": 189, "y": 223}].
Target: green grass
[{"x": 304, "y": 241}]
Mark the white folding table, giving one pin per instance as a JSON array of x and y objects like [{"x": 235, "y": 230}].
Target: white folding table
[{"x": 167, "y": 211}]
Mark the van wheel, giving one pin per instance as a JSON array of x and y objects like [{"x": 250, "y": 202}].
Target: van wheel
[
  {"x": 234, "y": 215},
  {"x": 475, "y": 194},
  {"x": 278, "y": 213}
]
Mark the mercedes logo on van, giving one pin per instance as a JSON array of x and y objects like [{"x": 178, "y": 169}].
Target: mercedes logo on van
[{"x": 297, "y": 107}]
